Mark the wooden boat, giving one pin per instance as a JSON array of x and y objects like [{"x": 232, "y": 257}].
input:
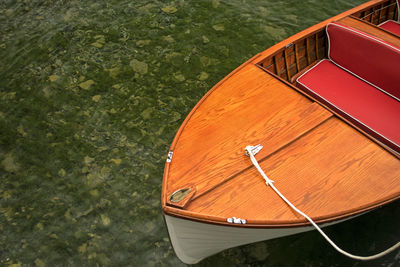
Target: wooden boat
[{"x": 324, "y": 104}]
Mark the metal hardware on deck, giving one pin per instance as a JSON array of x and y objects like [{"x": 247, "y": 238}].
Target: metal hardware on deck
[
  {"x": 169, "y": 157},
  {"x": 289, "y": 45},
  {"x": 236, "y": 220},
  {"x": 179, "y": 195},
  {"x": 254, "y": 149}
]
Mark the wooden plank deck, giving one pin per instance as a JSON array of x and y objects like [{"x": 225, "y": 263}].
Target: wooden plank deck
[
  {"x": 251, "y": 107},
  {"x": 331, "y": 172}
]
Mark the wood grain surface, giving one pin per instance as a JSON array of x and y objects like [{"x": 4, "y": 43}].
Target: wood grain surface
[
  {"x": 251, "y": 107},
  {"x": 330, "y": 172}
]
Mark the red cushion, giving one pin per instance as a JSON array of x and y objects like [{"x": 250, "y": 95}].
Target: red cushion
[
  {"x": 391, "y": 26},
  {"x": 372, "y": 110},
  {"x": 368, "y": 57}
]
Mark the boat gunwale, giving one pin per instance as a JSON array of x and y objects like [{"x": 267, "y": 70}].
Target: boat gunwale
[{"x": 188, "y": 215}]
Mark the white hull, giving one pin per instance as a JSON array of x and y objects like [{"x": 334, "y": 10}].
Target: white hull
[{"x": 194, "y": 241}]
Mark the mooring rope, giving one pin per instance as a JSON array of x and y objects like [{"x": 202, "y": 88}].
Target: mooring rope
[{"x": 250, "y": 152}]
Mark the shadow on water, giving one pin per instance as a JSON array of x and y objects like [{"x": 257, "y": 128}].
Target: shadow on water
[
  {"x": 91, "y": 96},
  {"x": 364, "y": 235}
]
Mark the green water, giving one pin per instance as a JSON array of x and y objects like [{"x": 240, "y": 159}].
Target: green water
[{"x": 91, "y": 96}]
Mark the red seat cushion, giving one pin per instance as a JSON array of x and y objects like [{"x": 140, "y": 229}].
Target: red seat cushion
[
  {"x": 368, "y": 57},
  {"x": 391, "y": 26},
  {"x": 375, "y": 112}
]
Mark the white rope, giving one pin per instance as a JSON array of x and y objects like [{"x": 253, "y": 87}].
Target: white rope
[{"x": 249, "y": 150}]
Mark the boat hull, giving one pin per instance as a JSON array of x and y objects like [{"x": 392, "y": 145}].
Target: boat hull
[
  {"x": 327, "y": 166},
  {"x": 193, "y": 241}
]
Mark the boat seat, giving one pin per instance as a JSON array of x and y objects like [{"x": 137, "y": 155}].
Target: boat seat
[
  {"x": 360, "y": 82},
  {"x": 391, "y": 26},
  {"x": 369, "y": 58}
]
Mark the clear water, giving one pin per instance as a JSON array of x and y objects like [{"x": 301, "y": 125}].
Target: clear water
[{"x": 91, "y": 96}]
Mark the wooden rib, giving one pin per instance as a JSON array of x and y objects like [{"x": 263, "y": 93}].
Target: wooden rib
[
  {"x": 296, "y": 54},
  {"x": 286, "y": 64},
  {"x": 380, "y": 14},
  {"x": 308, "y": 51},
  {"x": 387, "y": 9},
  {"x": 276, "y": 66},
  {"x": 370, "y": 15},
  {"x": 316, "y": 46},
  {"x": 376, "y": 15},
  {"x": 373, "y": 19}
]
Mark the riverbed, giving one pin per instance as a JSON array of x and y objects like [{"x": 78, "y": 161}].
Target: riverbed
[{"x": 91, "y": 96}]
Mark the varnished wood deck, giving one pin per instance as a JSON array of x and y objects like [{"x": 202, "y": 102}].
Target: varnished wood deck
[
  {"x": 242, "y": 111},
  {"x": 327, "y": 168}
]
